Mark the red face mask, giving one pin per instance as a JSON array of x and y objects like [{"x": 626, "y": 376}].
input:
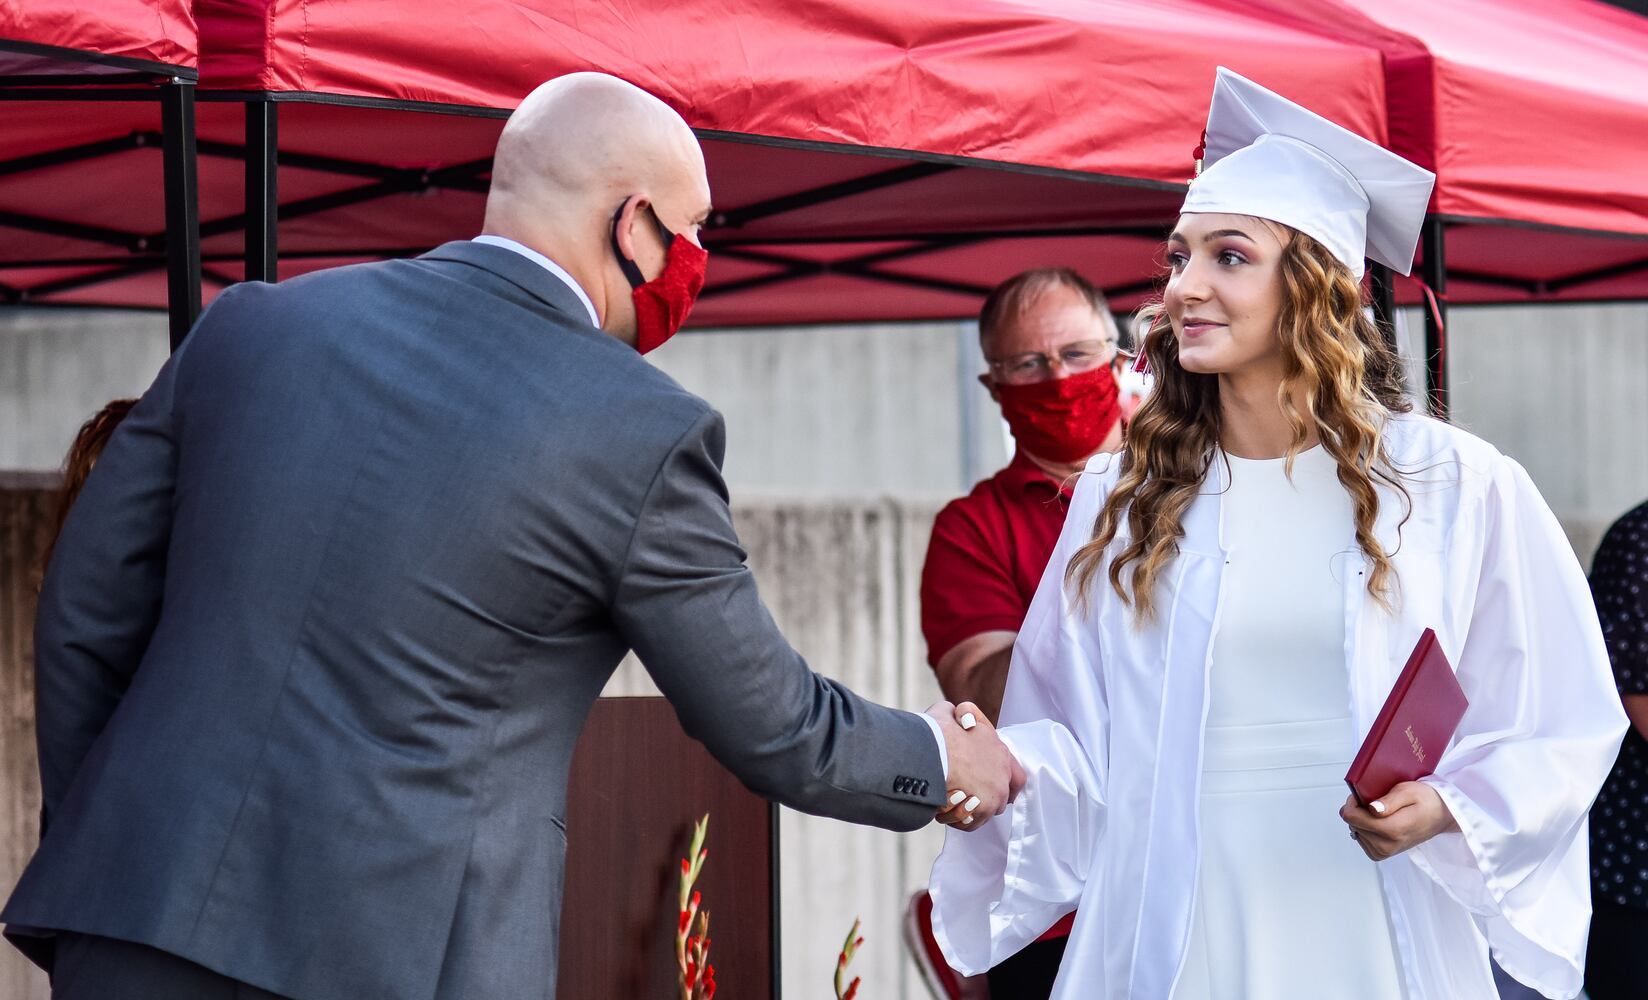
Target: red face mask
[
  {"x": 1062, "y": 420},
  {"x": 662, "y": 304}
]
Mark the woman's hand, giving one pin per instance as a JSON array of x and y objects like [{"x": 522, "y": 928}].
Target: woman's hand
[
  {"x": 1407, "y": 816},
  {"x": 961, "y": 809}
]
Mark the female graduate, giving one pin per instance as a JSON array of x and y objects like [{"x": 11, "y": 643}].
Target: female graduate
[{"x": 1227, "y": 609}]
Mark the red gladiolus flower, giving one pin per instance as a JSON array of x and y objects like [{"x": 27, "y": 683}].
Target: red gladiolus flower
[
  {"x": 692, "y": 949},
  {"x": 849, "y": 948}
]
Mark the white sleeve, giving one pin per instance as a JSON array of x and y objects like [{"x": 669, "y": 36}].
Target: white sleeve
[
  {"x": 1540, "y": 735},
  {"x": 943, "y": 751},
  {"x": 997, "y": 889}
]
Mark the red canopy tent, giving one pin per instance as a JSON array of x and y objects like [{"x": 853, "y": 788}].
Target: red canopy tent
[
  {"x": 872, "y": 161},
  {"x": 1534, "y": 115},
  {"x": 129, "y": 74}
]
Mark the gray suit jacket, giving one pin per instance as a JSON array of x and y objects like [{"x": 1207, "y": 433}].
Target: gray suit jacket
[{"x": 322, "y": 630}]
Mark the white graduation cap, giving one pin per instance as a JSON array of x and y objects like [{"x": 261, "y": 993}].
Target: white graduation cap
[{"x": 1270, "y": 158}]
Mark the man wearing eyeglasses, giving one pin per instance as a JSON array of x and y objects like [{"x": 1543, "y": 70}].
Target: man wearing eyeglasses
[{"x": 1050, "y": 342}]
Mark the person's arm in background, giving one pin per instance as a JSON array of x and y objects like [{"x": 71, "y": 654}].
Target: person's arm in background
[
  {"x": 688, "y": 606},
  {"x": 1636, "y": 709},
  {"x": 970, "y": 611},
  {"x": 975, "y": 669}
]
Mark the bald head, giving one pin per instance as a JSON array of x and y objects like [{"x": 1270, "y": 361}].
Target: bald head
[{"x": 577, "y": 149}]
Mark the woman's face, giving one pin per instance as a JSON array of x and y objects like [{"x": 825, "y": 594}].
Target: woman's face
[{"x": 1224, "y": 292}]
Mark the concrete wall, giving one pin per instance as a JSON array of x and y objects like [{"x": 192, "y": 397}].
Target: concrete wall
[
  {"x": 59, "y": 366},
  {"x": 1565, "y": 392},
  {"x": 846, "y": 411}
]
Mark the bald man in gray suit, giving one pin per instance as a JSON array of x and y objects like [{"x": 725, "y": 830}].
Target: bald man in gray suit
[{"x": 322, "y": 630}]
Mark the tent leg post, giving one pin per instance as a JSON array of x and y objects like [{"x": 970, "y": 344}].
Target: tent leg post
[
  {"x": 1433, "y": 237},
  {"x": 177, "y": 116},
  {"x": 1383, "y": 294},
  {"x": 262, "y": 203}
]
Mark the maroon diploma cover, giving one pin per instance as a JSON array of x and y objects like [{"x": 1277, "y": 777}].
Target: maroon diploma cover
[{"x": 1415, "y": 726}]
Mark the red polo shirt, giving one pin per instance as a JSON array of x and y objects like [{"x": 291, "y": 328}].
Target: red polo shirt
[
  {"x": 987, "y": 554},
  {"x": 985, "y": 560}
]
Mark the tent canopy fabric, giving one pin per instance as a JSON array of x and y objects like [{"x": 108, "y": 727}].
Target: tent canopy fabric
[
  {"x": 1114, "y": 89},
  {"x": 869, "y": 159},
  {"x": 109, "y": 42}
]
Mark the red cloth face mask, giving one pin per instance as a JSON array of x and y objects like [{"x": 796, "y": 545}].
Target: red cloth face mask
[
  {"x": 1062, "y": 420},
  {"x": 662, "y": 304}
]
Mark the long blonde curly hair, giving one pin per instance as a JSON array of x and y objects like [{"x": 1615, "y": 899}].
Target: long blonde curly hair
[{"x": 1334, "y": 361}]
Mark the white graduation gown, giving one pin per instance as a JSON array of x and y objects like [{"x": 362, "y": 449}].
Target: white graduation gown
[{"x": 1108, "y": 722}]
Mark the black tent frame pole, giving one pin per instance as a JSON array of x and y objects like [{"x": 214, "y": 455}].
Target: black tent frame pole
[
  {"x": 1383, "y": 294},
  {"x": 177, "y": 117},
  {"x": 262, "y": 190},
  {"x": 1433, "y": 238}
]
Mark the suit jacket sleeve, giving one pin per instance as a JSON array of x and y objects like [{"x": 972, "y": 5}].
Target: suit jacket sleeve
[
  {"x": 688, "y": 606},
  {"x": 101, "y": 595}
]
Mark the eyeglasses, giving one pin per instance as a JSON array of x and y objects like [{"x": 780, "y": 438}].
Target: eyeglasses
[{"x": 1023, "y": 369}]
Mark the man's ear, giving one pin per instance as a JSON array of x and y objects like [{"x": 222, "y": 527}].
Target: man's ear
[{"x": 625, "y": 229}]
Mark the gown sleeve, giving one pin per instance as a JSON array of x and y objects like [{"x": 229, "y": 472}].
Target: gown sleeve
[
  {"x": 999, "y": 888},
  {"x": 1540, "y": 735}
]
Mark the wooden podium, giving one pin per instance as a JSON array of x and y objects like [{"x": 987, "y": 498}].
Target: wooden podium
[{"x": 638, "y": 785}]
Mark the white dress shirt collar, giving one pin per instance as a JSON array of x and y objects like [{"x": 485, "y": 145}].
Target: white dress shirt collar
[{"x": 546, "y": 264}]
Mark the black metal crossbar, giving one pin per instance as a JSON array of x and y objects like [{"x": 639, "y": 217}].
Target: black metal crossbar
[
  {"x": 1598, "y": 274},
  {"x": 73, "y": 230},
  {"x": 736, "y": 217},
  {"x": 863, "y": 266},
  {"x": 78, "y": 153}
]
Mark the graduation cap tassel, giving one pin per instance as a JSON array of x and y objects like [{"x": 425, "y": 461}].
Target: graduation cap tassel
[
  {"x": 1198, "y": 155},
  {"x": 1141, "y": 363},
  {"x": 1141, "y": 360}
]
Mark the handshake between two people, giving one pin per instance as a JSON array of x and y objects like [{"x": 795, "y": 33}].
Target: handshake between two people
[{"x": 984, "y": 776}]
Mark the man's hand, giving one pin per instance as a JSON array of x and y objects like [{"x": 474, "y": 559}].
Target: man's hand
[
  {"x": 1407, "y": 816},
  {"x": 984, "y": 776}
]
